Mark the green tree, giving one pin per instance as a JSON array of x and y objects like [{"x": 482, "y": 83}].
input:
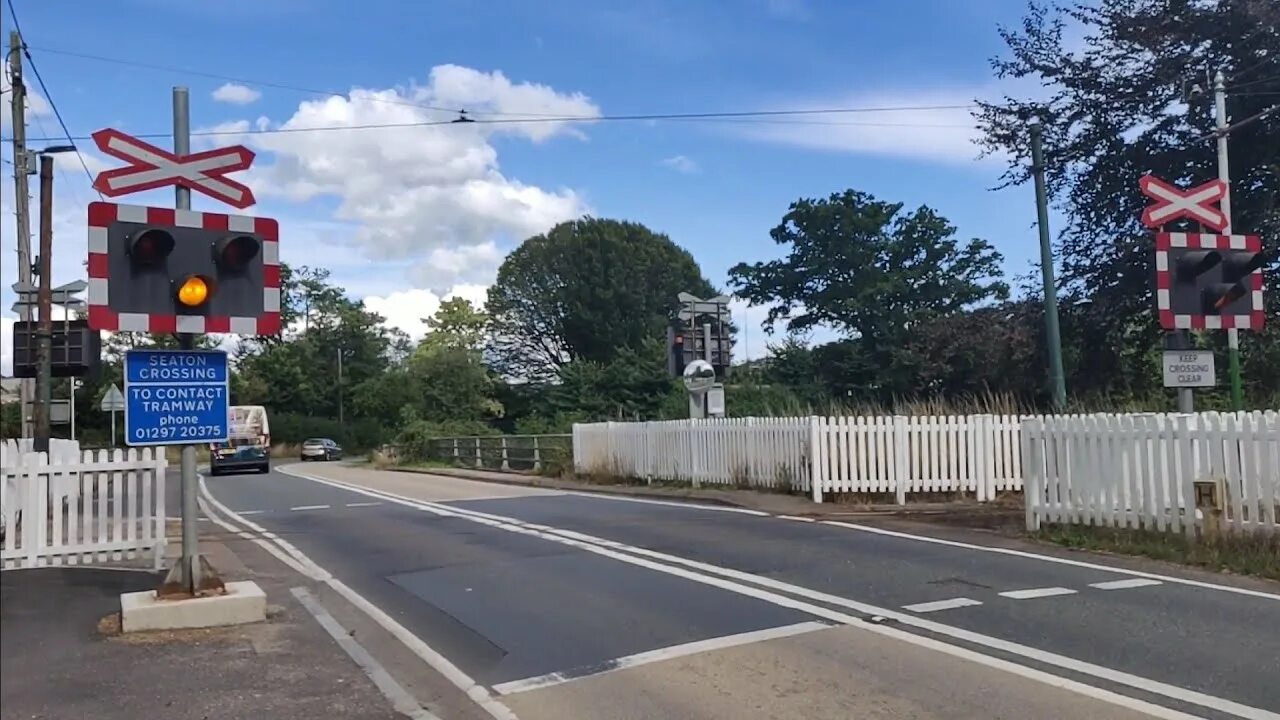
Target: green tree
[
  {"x": 298, "y": 372},
  {"x": 585, "y": 291},
  {"x": 445, "y": 379},
  {"x": 457, "y": 324},
  {"x": 875, "y": 272},
  {"x": 865, "y": 267},
  {"x": 1119, "y": 103}
]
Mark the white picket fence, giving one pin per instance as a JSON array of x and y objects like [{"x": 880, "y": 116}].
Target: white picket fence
[
  {"x": 71, "y": 507},
  {"x": 1140, "y": 471},
  {"x": 893, "y": 455},
  {"x": 743, "y": 452},
  {"x": 918, "y": 454},
  {"x": 1130, "y": 470}
]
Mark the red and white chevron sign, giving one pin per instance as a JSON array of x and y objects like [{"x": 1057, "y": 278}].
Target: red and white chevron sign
[
  {"x": 1200, "y": 203},
  {"x": 151, "y": 167}
]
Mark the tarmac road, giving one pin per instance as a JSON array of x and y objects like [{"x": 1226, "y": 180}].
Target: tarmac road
[{"x": 570, "y": 605}]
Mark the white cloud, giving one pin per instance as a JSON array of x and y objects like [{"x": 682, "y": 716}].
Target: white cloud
[
  {"x": 680, "y": 164},
  {"x": 6, "y": 347},
  {"x": 236, "y": 94},
  {"x": 406, "y": 309},
  {"x": 940, "y": 128},
  {"x": 37, "y": 106},
  {"x": 429, "y": 197}
]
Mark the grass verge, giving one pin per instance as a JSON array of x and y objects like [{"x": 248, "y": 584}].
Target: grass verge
[{"x": 1242, "y": 554}]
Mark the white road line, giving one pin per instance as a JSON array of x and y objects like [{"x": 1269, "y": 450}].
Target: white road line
[
  {"x": 637, "y": 556},
  {"x": 1053, "y": 559},
  {"x": 250, "y": 512},
  {"x": 363, "y": 504},
  {"x": 936, "y": 605},
  {"x": 795, "y": 517},
  {"x": 401, "y": 700},
  {"x": 1125, "y": 584},
  {"x": 305, "y": 566},
  {"x": 652, "y": 656},
  {"x": 691, "y": 505},
  {"x": 1033, "y": 593},
  {"x": 309, "y": 507}
]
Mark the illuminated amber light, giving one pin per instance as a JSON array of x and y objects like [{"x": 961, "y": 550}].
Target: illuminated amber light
[{"x": 194, "y": 291}]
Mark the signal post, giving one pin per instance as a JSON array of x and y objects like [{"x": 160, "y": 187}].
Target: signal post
[{"x": 176, "y": 271}]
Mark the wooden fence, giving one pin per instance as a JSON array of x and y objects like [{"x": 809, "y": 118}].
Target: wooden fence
[
  {"x": 1176, "y": 473},
  {"x": 743, "y": 452},
  {"x": 73, "y": 507}
]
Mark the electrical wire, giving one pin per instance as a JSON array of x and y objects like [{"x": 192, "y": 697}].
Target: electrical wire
[
  {"x": 752, "y": 115},
  {"x": 13, "y": 15}
]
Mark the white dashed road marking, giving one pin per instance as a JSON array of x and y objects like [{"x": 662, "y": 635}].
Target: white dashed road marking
[
  {"x": 1037, "y": 593},
  {"x": 363, "y": 504},
  {"x": 309, "y": 507},
  {"x": 936, "y": 605},
  {"x": 250, "y": 512},
  {"x": 1125, "y": 584}
]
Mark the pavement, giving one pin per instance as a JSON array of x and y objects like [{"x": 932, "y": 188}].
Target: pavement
[
  {"x": 540, "y": 602},
  {"x": 62, "y": 655}
]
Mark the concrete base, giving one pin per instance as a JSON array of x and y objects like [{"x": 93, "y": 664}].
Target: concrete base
[{"x": 244, "y": 603}]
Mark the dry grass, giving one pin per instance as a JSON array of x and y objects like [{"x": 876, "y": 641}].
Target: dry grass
[{"x": 1251, "y": 554}]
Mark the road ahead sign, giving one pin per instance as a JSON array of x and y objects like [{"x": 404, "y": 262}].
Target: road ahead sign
[
  {"x": 1188, "y": 368},
  {"x": 175, "y": 397},
  {"x": 112, "y": 401}
]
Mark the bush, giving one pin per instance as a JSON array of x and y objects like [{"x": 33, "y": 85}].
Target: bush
[
  {"x": 414, "y": 441},
  {"x": 353, "y": 435}
]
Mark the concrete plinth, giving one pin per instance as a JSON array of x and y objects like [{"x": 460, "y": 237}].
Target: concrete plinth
[{"x": 243, "y": 603}]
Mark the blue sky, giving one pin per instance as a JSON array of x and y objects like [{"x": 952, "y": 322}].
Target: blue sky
[{"x": 402, "y": 216}]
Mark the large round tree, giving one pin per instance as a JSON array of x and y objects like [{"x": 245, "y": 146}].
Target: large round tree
[{"x": 586, "y": 290}]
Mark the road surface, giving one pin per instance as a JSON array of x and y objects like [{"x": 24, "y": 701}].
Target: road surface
[{"x": 561, "y": 605}]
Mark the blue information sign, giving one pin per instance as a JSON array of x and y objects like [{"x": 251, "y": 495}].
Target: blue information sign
[{"x": 175, "y": 397}]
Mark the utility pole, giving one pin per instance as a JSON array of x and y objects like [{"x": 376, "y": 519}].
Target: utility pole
[
  {"x": 22, "y": 195},
  {"x": 341, "y": 420},
  {"x": 1224, "y": 174},
  {"x": 44, "y": 300},
  {"x": 1053, "y": 337}
]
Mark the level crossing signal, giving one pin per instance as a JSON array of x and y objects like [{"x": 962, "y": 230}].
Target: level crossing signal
[
  {"x": 1209, "y": 281},
  {"x": 164, "y": 270}
]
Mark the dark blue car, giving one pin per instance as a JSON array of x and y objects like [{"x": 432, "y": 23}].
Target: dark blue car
[{"x": 230, "y": 458}]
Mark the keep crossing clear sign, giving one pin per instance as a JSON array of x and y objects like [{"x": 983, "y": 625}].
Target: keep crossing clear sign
[
  {"x": 175, "y": 397},
  {"x": 1189, "y": 369}
]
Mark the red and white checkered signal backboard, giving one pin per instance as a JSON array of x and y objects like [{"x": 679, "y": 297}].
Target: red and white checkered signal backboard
[
  {"x": 1165, "y": 242},
  {"x": 102, "y": 215}
]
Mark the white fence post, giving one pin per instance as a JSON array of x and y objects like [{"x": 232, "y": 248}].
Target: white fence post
[
  {"x": 816, "y": 440},
  {"x": 901, "y": 459},
  {"x": 506, "y": 465}
]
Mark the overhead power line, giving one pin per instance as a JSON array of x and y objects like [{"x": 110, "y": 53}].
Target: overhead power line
[
  {"x": 737, "y": 115},
  {"x": 483, "y": 117}
]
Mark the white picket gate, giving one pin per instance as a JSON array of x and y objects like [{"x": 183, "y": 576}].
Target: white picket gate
[
  {"x": 1139, "y": 471},
  {"x": 72, "y": 507}
]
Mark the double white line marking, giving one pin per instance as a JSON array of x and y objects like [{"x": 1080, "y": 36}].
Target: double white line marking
[{"x": 769, "y": 590}]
